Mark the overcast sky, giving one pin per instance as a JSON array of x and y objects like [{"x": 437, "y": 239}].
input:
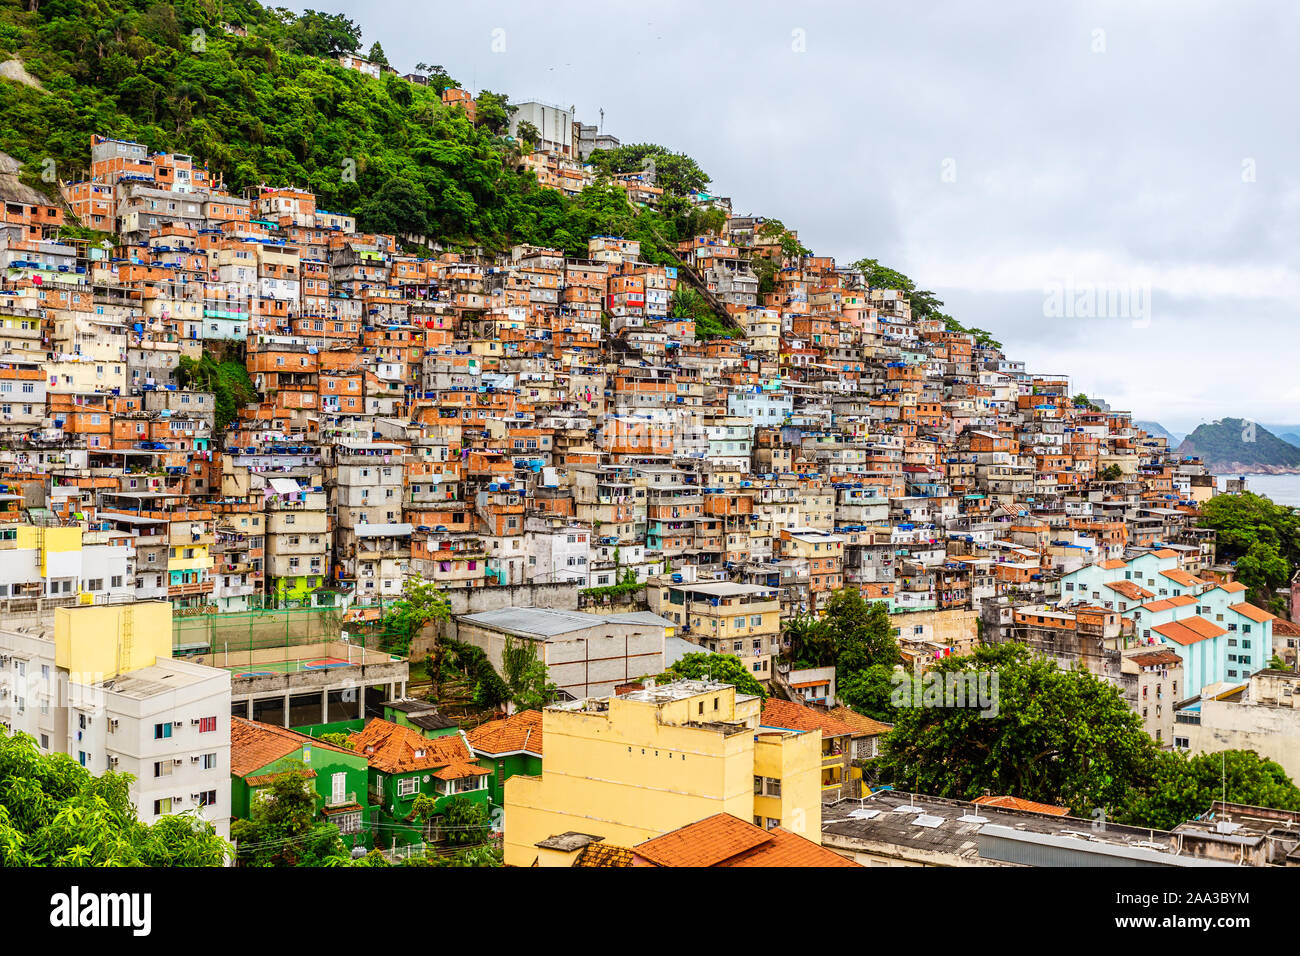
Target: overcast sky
[{"x": 1009, "y": 157}]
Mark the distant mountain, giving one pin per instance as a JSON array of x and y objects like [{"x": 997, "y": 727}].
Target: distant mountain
[
  {"x": 1291, "y": 438},
  {"x": 1159, "y": 431},
  {"x": 1236, "y": 446}
]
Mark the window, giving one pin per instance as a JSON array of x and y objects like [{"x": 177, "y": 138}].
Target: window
[
  {"x": 207, "y": 725},
  {"x": 162, "y": 806},
  {"x": 408, "y": 786},
  {"x": 162, "y": 731},
  {"x": 208, "y": 798},
  {"x": 208, "y": 761}
]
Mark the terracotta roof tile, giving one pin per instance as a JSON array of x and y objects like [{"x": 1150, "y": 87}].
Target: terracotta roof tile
[
  {"x": 1256, "y": 614},
  {"x": 604, "y": 854},
  {"x": 253, "y": 745},
  {"x": 392, "y": 748},
  {"x": 1016, "y": 803},
  {"x": 724, "y": 840},
  {"x": 521, "y": 731},
  {"x": 1133, "y": 592},
  {"x": 1189, "y": 630},
  {"x": 792, "y": 716},
  {"x": 866, "y": 725}
]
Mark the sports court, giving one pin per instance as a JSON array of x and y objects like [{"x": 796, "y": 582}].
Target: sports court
[{"x": 267, "y": 668}]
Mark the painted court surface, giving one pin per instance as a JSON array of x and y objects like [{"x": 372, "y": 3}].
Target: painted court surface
[{"x": 288, "y": 667}]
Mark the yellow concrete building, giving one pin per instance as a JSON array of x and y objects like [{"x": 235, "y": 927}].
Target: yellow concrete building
[
  {"x": 635, "y": 766},
  {"x": 102, "y": 642}
]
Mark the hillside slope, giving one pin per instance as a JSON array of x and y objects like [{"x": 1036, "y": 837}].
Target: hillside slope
[
  {"x": 275, "y": 107},
  {"x": 1233, "y": 445}
]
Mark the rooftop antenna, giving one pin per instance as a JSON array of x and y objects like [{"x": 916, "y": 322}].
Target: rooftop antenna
[{"x": 602, "y": 119}]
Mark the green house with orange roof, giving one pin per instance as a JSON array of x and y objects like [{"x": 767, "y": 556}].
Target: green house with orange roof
[
  {"x": 260, "y": 752},
  {"x": 403, "y": 764},
  {"x": 512, "y": 745}
]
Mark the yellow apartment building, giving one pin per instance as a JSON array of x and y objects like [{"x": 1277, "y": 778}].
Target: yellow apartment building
[
  {"x": 637, "y": 765},
  {"x": 725, "y": 617}
]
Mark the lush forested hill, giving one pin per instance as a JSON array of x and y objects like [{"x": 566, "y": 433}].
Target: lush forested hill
[
  {"x": 1234, "y": 445},
  {"x": 274, "y": 106}
]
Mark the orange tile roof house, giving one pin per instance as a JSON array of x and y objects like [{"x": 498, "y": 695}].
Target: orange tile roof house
[
  {"x": 259, "y": 753},
  {"x": 404, "y": 765},
  {"x": 512, "y": 745},
  {"x": 724, "y": 840},
  {"x": 842, "y": 742}
]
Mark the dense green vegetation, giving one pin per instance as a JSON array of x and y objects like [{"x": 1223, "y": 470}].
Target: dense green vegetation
[
  {"x": 55, "y": 812},
  {"x": 1065, "y": 738},
  {"x": 852, "y": 635},
  {"x": 283, "y": 829},
  {"x": 687, "y": 303},
  {"x": 1260, "y": 537},
  {"x": 726, "y": 668},
  {"x": 1236, "y": 443},
  {"x": 1184, "y": 787},
  {"x": 1060, "y": 737},
  {"x": 228, "y": 382},
  {"x": 272, "y": 108}
]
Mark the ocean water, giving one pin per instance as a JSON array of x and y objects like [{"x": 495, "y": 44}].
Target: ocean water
[{"x": 1282, "y": 489}]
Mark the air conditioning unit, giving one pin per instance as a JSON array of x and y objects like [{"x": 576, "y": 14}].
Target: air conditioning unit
[
  {"x": 178, "y": 723},
  {"x": 112, "y": 761},
  {"x": 177, "y": 762}
]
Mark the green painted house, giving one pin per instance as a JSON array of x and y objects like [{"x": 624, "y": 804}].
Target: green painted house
[
  {"x": 420, "y": 716},
  {"x": 258, "y": 752},
  {"x": 507, "y": 747},
  {"x": 403, "y": 764}
]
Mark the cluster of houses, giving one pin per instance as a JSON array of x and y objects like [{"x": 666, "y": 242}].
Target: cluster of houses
[{"x": 547, "y": 440}]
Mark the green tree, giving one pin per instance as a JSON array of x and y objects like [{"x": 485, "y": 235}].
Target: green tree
[
  {"x": 439, "y": 78},
  {"x": 338, "y": 740},
  {"x": 811, "y": 642},
  {"x": 675, "y": 173},
  {"x": 421, "y": 602},
  {"x": 325, "y": 34},
  {"x": 529, "y": 134},
  {"x": 526, "y": 677},
  {"x": 376, "y": 55},
  {"x": 1060, "y": 737},
  {"x": 493, "y": 111},
  {"x": 724, "y": 668},
  {"x": 773, "y": 230},
  {"x": 860, "y": 631},
  {"x": 1183, "y": 787},
  {"x": 54, "y": 812},
  {"x": 872, "y": 691},
  {"x": 283, "y": 828},
  {"x": 399, "y": 207}
]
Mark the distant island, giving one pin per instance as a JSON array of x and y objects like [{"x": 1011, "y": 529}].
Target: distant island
[{"x": 1236, "y": 446}]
